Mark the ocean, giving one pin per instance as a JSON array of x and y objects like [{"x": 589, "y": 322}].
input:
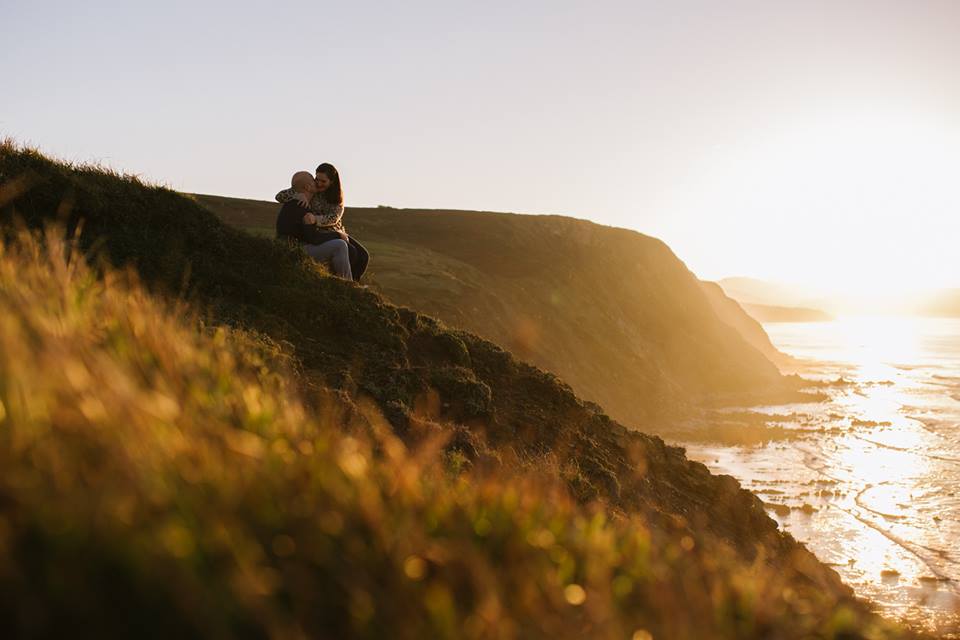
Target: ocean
[{"x": 869, "y": 480}]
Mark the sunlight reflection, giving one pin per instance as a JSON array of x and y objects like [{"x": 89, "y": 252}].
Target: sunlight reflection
[{"x": 869, "y": 480}]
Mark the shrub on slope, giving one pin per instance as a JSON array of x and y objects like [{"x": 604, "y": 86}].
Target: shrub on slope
[{"x": 162, "y": 478}]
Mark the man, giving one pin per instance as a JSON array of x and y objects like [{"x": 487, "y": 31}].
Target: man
[{"x": 293, "y": 221}]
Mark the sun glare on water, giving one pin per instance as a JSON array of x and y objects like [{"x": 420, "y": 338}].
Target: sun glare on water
[{"x": 869, "y": 478}]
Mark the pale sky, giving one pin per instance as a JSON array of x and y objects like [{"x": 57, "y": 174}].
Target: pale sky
[{"x": 815, "y": 141}]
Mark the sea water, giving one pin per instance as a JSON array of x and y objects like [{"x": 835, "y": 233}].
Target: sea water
[{"x": 870, "y": 479}]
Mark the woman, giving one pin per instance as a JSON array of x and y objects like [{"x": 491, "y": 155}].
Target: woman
[{"x": 327, "y": 205}]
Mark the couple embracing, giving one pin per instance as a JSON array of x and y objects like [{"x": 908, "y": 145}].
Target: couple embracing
[{"x": 312, "y": 214}]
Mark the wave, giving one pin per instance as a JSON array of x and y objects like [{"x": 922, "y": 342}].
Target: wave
[
  {"x": 912, "y": 549},
  {"x": 922, "y": 454}
]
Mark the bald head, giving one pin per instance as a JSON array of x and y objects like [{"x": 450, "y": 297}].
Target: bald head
[{"x": 303, "y": 182}]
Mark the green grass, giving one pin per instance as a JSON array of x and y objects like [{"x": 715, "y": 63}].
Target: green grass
[
  {"x": 261, "y": 232},
  {"x": 612, "y": 312},
  {"x": 162, "y": 478},
  {"x": 419, "y": 373},
  {"x": 220, "y": 439}
]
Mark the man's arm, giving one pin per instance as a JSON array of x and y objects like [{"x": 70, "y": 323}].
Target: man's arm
[
  {"x": 290, "y": 221},
  {"x": 283, "y": 226}
]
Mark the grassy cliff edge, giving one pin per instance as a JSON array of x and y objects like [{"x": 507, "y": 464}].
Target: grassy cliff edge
[
  {"x": 613, "y": 312},
  {"x": 194, "y": 474}
]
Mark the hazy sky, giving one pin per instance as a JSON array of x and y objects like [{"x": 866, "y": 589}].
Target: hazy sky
[{"x": 805, "y": 141}]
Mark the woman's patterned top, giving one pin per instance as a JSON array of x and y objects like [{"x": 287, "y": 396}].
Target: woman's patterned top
[{"x": 329, "y": 215}]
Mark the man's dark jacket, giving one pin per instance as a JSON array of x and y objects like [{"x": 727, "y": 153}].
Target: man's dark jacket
[{"x": 290, "y": 225}]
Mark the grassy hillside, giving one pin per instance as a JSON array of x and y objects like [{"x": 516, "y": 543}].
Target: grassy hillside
[
  {"x": 163, "y": 479},
  {"x": 348, "y": 338},
  {"x": 612, "y": 312},
  {"x": 217, "y": 482}
]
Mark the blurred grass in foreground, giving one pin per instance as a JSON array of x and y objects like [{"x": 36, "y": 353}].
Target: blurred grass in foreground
[{"x": 161, "y": 478}]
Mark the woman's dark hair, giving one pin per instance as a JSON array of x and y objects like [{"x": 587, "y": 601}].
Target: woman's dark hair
[{"x": 334, "y": 193}]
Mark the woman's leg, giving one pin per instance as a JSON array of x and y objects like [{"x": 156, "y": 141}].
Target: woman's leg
[
  {"x": 359, "y": 257},
  {"x": 335, "y": 252}
]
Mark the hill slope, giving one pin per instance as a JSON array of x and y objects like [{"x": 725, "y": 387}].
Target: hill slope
[
  {"x": 424, "y": 378},
  {"x": 733, "y": 313},
  {"x": 163, "y": 479},
  {"x": 754, "y": 291},
  {"x": 612, "y": 312},
  {"x": 770, "y": 313},
  {"x": 348, "y": 338}
]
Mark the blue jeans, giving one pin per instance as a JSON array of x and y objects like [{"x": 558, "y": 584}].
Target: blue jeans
[{"x": 334, "y": 252}]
